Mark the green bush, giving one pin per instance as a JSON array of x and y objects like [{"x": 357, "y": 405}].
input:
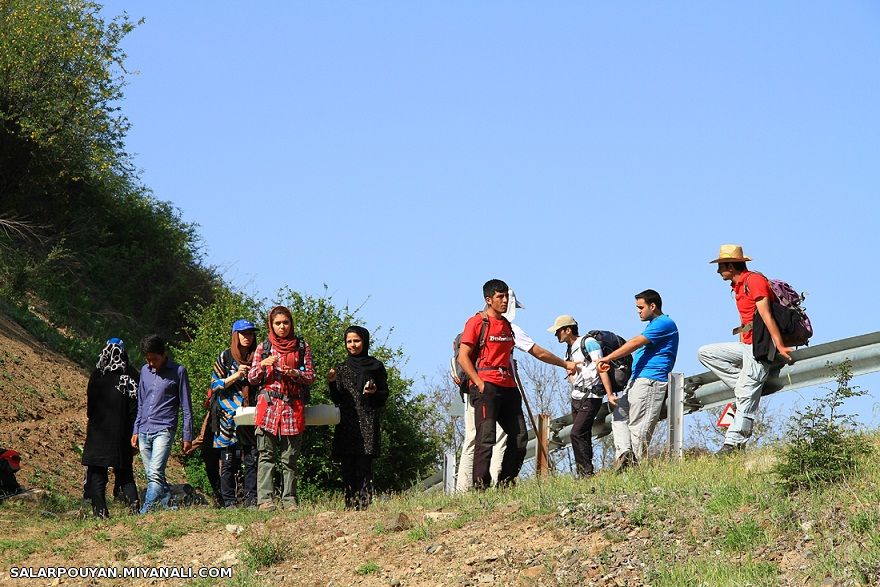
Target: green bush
[
  {"x": 410, "y": 445},
  {"x": 824, "y": 446},
  {"x": 265, "y": 549}
]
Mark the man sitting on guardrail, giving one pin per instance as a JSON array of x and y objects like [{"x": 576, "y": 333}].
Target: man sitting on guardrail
[{"x": 734, "y": 362}]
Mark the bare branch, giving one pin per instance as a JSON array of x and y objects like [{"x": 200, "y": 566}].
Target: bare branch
[{"x": 21, "y": 230}]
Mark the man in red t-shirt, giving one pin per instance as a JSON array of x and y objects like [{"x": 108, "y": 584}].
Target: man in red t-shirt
[
  {"x": 734, "y": 362},
  {"x": 493, "y": 390}
]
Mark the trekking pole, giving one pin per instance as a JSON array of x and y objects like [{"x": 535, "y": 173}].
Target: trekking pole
[{"x": 522, "y": 393}]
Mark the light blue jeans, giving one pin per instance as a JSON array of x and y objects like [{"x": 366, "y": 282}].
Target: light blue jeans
[
  {"x": 155, "y": 449},
  {"x": 734, "y": 363}
]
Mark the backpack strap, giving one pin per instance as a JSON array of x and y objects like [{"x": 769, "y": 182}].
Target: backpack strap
[
  {"x": 587, "y": 358},
  {"x": 301, "y": 349},
  {"x": 482, "y": 338},
  {"x": 746, "y": 284},
  {"x": 265, "y": 349}
]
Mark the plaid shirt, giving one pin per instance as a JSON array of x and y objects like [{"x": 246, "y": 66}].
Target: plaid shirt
[{"x": 281, "y": 416}]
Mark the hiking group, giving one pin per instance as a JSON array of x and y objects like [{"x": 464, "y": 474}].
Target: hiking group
[
  {"x": 130, "y": 412},
  {"x": 632, "y": 375}
]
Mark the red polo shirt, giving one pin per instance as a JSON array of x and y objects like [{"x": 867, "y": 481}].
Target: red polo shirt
[
  {"x": 759, "y": 288},
  {"x": 493, "y": 364}
]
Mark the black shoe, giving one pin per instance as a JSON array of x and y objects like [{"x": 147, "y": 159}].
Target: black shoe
[
  {"x": 729, "y": 449},
  {"x": 626, "y": 460}
]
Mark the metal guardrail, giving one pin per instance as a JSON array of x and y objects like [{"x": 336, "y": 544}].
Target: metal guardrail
[
  {"x": 705, "y": 390},
  {"x": 810, "y": 367}
]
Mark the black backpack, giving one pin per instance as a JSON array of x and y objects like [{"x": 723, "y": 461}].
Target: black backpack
[
  {"x": 621, "y": 369},
  {"x": 266, "y": 350},
  {"x": 455, "y": 369}
]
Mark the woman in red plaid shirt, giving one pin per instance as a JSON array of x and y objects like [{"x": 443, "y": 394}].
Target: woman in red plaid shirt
[{"x": 282, "y": 379}]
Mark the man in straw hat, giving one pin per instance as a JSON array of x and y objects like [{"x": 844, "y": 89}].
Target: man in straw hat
[{"x": 734, "y": 362}]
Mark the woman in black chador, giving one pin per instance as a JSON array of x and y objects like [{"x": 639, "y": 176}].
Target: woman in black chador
[
  {"x": 359, "y": 386},
  {"x": 112, "y": 409}
]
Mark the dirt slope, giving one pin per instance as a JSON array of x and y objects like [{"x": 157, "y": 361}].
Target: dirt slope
[{"x": 44, "y": 417}]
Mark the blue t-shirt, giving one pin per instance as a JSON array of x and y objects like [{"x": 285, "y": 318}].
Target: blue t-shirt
[{"x": 656, "y": 359}]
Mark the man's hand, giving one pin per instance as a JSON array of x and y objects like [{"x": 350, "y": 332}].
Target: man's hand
[
  {"x": 134, "y": 441},
  {"x": 187, "y": 446},
  {"x": 612, "y": 400},
  {"x": 571, "y": 367},
  {"x": 785, "y": 353},
  {"x": 480, "y": 385}
]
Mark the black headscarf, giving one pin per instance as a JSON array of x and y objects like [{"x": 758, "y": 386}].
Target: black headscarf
[{"x": 366, "y": 366}]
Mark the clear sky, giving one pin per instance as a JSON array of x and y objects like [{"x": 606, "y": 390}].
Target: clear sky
[{"x": 405, "y": 152}]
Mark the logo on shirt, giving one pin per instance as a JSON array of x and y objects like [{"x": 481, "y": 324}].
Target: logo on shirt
[{"x": 500, "y": 338}]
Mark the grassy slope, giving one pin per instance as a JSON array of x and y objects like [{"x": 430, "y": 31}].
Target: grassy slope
[{"x": 699, "y": 522}]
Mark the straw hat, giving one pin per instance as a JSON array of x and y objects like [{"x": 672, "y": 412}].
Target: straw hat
[
  {"x": 731, "y": 254},
  {"x": 562, "y": 322}
]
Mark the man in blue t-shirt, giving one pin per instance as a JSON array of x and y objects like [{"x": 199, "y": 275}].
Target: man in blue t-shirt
[{"x": 639, "y": 405}]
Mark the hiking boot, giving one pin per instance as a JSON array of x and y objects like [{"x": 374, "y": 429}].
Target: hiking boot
[
  {"x": 624, "y": 461},
  {"x": 729, "y": 449},
  {"x": 266, "y": 507}
]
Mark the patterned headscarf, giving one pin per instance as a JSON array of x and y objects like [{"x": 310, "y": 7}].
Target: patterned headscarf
[{"x": 114, "y": 358}]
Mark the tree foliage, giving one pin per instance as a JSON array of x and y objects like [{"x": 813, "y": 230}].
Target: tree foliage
[
  {"x": 103, "y": 256},
  {"x": 410, "y": 444}
]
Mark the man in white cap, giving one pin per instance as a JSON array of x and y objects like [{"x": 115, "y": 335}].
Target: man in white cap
[
  {"x": 523, "y": 342},
  {"x": 734, "y": 362},
  {"x": 588, "y": 387}
]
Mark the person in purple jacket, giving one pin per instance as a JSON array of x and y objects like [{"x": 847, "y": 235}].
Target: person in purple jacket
[{"x": 162, "y": 391}]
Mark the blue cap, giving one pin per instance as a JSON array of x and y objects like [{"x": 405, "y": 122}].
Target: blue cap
[
  {"x": 115, "y": 340},
  {"x": 242, "y": 325}
]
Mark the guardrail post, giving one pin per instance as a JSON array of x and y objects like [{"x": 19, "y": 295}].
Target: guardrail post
[
  {"x": 449, "y": 473},
  {"x": 542, "y": 451},
  {"x": 675, "y": 414}
]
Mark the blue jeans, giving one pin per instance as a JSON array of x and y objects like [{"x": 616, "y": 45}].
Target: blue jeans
[{"x": 155, "y": 449}]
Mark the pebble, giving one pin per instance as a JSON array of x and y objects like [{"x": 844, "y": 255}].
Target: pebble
[
  {"x": 440, "y": 516},
  {"x": 533, "y": 572}
]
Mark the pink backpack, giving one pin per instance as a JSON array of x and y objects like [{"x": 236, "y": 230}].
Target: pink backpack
[{"x": 786, "y": 296}]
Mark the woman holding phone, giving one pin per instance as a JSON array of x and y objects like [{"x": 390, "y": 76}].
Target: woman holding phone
[{"x": 359, "y": 386}]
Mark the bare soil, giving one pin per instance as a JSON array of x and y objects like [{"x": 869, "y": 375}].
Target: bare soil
[{"x": 44, "y": 417}]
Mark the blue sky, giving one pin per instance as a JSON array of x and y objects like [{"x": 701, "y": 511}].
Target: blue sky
[{"x": 404, "y": 153}]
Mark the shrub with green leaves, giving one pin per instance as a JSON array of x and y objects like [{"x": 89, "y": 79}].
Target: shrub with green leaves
[
  {"x": 824, "y": 446},
  {"x": 100, "y": 255},
  {"x": 410, "y": 444}
]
